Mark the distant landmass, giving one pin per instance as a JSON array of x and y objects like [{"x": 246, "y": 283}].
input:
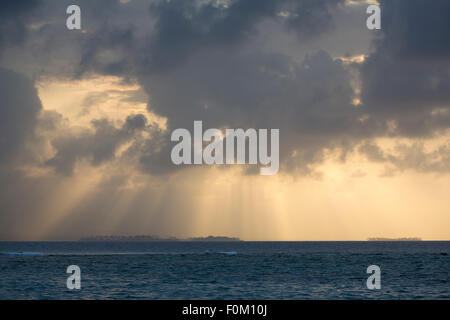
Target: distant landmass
[
  {"x": 394, "y": 239},
  {"x": 156, "y": 238},
  {"x": 213, "y": 238}
]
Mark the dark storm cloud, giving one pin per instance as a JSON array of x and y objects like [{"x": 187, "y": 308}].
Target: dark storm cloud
[
  {"x": 19, "y": 109},
  {"x": 214, "y": 70},
  {"x": 123, "y": 39},
  {"x": 310, "y": 102},
  {"x": 310, "y": 18},
  {"x": 155, "y": 36},
  {"x": 185, "y": 27},
  {"x": 113, "y": 39},
  {"x": 52, "y": 49},
  {"x": 200, "y": 60},
  {"x": 14, "y": 17},
  {"x": 407, "y": 79},
  {"x": 19, "y": 117},
  {"x": 416, "y": 29}
]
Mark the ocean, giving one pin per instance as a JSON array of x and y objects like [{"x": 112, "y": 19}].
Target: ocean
[{"x": 225, "y": 270}]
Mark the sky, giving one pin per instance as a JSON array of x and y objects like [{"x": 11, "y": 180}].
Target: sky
[{"x": 86, "y": 118}]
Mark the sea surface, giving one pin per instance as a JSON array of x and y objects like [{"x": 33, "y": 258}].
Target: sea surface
[{"x": 225, "y": 270}]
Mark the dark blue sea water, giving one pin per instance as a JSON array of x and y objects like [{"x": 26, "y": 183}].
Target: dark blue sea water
[{"x": 226, "y": 270}]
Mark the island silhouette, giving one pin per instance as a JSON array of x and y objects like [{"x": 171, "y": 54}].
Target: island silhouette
[
  {"x": 395, "y": 239},
  {"x": 156, "y": 238}
]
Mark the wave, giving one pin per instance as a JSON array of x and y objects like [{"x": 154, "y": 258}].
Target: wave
[
  {"x": 50, "y": 254},
  {"x": 228, "y": 253},
  {"x": 22, "y": 253}
]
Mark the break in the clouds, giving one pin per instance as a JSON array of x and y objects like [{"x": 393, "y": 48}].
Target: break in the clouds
[{"x": 308, "y": 67}]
